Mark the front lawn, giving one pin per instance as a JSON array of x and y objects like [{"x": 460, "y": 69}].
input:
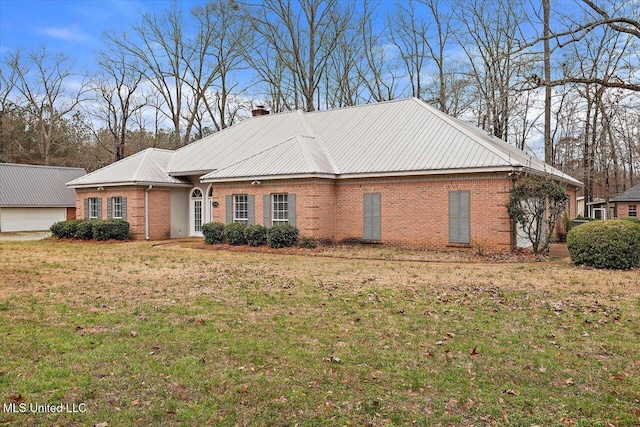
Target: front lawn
[{"x": 132, "y": 334}]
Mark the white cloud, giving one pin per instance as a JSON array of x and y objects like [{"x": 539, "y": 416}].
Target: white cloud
[{"x": 64, "y": 33}]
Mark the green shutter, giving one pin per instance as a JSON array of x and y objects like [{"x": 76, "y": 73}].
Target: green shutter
[
  {"x": 229, "y": 208},
  {"x": 86, "y": 208},
  {"x": 291, "y": 205},
  {"x": 109, "y": 204},
  {"x": 100, "y": 208},
  {"x": 266, "y": 210},
  {"x": 251, "y": 209}
]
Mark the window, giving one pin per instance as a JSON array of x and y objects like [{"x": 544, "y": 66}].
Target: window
[
  {"x": 279, "y": 209},
  {"x": 116, "y": 205},
  {"x": 633, "y": 211},
  {"x": 95, "y": 208},
  {"x": 459, "y": 217},
  {"x": 241, "y": 208}
]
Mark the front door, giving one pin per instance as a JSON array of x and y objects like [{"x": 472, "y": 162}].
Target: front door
[{"x": 196, "y": 211}]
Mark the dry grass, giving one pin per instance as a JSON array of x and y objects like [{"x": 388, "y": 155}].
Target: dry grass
[{"x": 171, "y": 335}]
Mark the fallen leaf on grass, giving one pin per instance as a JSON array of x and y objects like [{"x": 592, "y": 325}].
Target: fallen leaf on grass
[
  {"x": 511, "y": 392},
  {"x": 474, "y": 353},
  {"x": 332, "y": 359},
  {"x": 16, "y": 399},
  {"x": 102, "y": 424}
]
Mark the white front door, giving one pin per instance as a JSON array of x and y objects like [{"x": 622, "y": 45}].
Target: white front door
[{"x": 196, "y": 212}]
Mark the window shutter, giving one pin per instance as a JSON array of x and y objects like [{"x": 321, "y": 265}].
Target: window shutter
[
  {"x": 229, "y": 203},
  {"x": 371, "y": 223},
  {"x": 251, "y": 209},
  {"x": 124, "y": 208},
  {"x": 266, "y": 210},
  {"x": 109, "y": 204},
  {"x": 465, "y": 218},
  {"x": 291, "y": 202},
  {"x": 459, "y": 217},
  {"x": 86, "y": 208},
  {"x": 100, "y": 208}
]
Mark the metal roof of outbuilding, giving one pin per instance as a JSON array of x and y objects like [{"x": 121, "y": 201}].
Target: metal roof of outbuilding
[{"x": 37, "y": 186}]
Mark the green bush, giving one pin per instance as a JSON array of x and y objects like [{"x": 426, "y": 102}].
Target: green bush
[
  {"x": 65, "y": 229},
  {"x": 605, "y": 244},
  {"x": 281, "y": 236},
  {"x": 84, "y": 230},
  {"x": 234, "y": 233},
  {"x": 308, "y": 243},
  {"x": 117, "y": 229},
  {"x": 255, "y": 235},
  {"x": 213, "y": 232}
]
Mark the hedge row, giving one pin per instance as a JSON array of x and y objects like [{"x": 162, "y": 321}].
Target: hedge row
[
  {"x": 98, "y": 229},
  {"x": 278, "y": 236},
  {"x": 606, "y": 244}
]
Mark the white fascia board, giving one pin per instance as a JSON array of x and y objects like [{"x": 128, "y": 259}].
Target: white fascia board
[{"x": 131, "y": 183}]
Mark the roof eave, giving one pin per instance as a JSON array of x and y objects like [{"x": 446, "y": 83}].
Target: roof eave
[{"x": 131, "y": 183}]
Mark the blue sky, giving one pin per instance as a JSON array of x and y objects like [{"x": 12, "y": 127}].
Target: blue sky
[{"x": 73, "y": 27}]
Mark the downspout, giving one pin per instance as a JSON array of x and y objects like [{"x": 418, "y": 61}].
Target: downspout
[{"x": 146, "y": 212}]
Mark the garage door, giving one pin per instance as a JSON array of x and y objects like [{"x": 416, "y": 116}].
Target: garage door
[{"x": 30, "y": 219}]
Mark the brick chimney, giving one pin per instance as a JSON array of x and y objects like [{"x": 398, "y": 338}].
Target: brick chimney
[{"x": 260, "y": 111}]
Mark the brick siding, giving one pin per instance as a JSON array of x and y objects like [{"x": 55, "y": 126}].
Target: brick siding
[
  {"x": 159, "y": 209},
  {"x": 414, "y": 212}
]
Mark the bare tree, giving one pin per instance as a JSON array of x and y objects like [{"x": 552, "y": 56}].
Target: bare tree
[
  {"x": 498, "y": 66},
  {"x": 301, "y": 38},
  {"x": 117, "y": 90},
  {"x": 159, "y": 48},
  {"x": 50, "y": 90}
]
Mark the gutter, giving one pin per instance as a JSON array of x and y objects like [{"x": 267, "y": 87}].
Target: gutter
[{"x": 146, "y": 212}]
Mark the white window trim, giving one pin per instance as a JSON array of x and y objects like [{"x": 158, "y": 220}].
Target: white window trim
[
  {"x": 275, "y": 220},
  {"x": 634, "y": 210},
  {"x": 94, "y": 208},
  {"x": 238, "y": 201},
  {"x": 116, "y": 208}
]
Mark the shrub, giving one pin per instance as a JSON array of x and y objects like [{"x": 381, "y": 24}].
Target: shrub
[
  {"x": 605, "y": 244},
  {"x": 65, "y": 229},
  {"x": 255, "y": 235},
  {"x": 281, "y": 236},
  {"x": 84, "y": 230},
  {"x": 117, "y": 229},
  {"x": 234, "y": 233},
  {"x": 308, "y": 243},
  {"x": 213, "y": 232}
]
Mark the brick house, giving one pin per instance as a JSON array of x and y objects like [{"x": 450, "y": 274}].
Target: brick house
[
  {"x": 626, "y": 204},
  {"x": 397, "y": 172}
]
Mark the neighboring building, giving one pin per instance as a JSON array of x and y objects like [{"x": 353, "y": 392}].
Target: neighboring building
[
  {"x": 627, "y": 203},
  {"x": 32, "y": 197},
  {"x": 398, "y": 172}
]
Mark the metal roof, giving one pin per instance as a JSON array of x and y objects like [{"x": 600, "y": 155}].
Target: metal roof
[
  {"x": 143, "y": 168},
  {"x": 631, "y": 195},
  {"x": 400, "y": 137},
  {"x": 37, "y": 186}
]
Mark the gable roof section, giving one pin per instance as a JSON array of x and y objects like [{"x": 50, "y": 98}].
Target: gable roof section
[
  {"x": 631, "y": 195},
  {"x": 296, "y": 157},
  {"x": 239, "y": 142},
  {"x": 36, "y": 186},
  {"x": 148, "y": 167}
]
